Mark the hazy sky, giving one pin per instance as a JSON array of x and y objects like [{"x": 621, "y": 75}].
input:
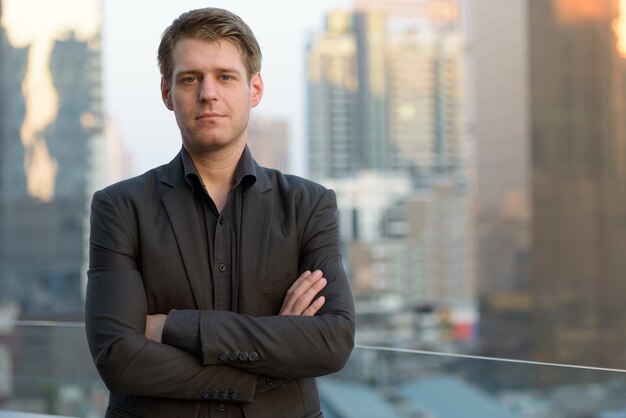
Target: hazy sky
[{"x": 131, "y": 34}]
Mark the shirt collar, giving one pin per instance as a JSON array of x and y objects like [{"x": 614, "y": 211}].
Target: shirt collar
[{"x": 245, "y": 172}]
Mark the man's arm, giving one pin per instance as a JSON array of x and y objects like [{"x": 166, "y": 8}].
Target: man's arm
[
  {"x": 293, "y": 345},
  {"x": 299, "y": 301},
  {"x": 115, "y": 315}
]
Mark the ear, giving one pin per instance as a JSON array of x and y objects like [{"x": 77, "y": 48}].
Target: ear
[
  {"x": 166, "y": 94},
  {"x": 256, "y": 89}
]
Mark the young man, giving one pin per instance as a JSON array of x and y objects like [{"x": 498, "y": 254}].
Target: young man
[{"x": 216, "y": 288}]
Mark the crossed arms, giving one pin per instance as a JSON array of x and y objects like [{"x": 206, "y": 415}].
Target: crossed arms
[
  {"x": 299, "y": 301},
  {"x": 310, "y": 335}
]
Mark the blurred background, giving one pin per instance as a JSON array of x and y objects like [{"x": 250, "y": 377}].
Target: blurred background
[{"x": 478, "y": 152}]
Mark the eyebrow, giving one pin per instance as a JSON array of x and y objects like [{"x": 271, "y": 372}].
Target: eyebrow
[{"x": 218, "y": 70}]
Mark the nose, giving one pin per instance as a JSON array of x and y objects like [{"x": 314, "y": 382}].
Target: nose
[{"x": 208, "y": 90}]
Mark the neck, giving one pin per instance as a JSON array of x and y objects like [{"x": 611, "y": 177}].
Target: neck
[{"x": 217, "y": 168}]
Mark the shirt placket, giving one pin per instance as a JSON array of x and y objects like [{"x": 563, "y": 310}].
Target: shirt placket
[{"x": 222, "y": 266}]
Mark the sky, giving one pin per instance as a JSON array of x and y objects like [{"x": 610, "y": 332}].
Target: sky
[{"x": 130, "y": 36}]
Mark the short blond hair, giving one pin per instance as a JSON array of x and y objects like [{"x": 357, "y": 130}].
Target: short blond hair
[{"x": 211, "y": 24}]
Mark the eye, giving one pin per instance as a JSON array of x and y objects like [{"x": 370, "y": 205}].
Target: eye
[
  {"x": 189, "y": 79},
  {"x": 225, "y": 77}
]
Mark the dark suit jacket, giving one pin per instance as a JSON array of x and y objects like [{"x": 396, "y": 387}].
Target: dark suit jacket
[{"x": 148, "y": 256}]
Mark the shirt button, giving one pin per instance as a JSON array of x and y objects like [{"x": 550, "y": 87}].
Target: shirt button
[
  {"x": 221, "y": 221},
  {"x": 221, "y": 408},
  {"x": 221, "y": 267}
]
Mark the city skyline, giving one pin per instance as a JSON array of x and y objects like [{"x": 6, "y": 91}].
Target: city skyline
[{"x": 131, "y": 77}]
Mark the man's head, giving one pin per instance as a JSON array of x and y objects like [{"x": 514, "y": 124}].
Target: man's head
[{"x": 210, "y": 24}]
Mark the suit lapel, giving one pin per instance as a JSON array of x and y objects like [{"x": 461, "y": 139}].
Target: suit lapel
[
  {"x": 255, "y": 229},
  {"x": 189, "y": 234}
]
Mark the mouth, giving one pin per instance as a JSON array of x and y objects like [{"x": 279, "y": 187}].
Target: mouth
[{"x": 209, "y": 116}]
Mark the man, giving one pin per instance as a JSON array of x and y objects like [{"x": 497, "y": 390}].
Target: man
[{"x": 216, "y": 288}]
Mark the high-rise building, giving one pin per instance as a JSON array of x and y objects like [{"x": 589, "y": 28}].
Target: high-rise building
[
  {"x": 385, "y": 88},
  {"x": 51, "y": 112},
  {"x": 549, "y": 96},
  {"x": 268, "y": 139},
  {"x": 51, "y": 138},
  {"x": 333, "y": 100},
  {"x": 409, "y": 256},
  {"x": 425, "y": 102}
]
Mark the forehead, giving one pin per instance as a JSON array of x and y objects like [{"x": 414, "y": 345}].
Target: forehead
[{"x": 192, "y": 53}]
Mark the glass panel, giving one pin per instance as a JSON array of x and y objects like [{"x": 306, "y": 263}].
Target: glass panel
[
  {"x": 402, "y": 384},
  {"x": 46, "y": 368}
]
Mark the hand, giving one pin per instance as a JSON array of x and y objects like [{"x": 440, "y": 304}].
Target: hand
[
  {"x": 299, "y": 298},
  {"x": 154, "y": 327}
]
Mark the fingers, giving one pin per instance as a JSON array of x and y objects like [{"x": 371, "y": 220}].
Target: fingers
[
  {"x": 315, "y": 307},
  {"x": 300, "y": 296}
]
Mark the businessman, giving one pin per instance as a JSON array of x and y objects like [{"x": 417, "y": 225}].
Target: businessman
[{"x": 216, "y": 287}]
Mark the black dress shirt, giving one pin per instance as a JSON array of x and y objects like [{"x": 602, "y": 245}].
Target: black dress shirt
[{"x": 182, "y": 328}]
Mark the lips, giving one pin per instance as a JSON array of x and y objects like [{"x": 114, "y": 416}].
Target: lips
[{"x": 209, "y": 115}]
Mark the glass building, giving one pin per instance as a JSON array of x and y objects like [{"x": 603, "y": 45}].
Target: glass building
[
  {"x": 50, "y": 133},
  {"x": 386, "y": 90},
  {"x": 549, "y": 95},
  {"x": 51, "y": 116}
]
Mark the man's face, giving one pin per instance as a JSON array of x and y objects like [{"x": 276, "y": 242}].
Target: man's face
[{"x": 210, "y": 94}]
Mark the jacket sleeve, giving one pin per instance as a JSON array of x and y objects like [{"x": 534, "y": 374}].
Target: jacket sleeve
[
  {"x": 293, "y": 346},
  {"x": 115, "y": 317}
]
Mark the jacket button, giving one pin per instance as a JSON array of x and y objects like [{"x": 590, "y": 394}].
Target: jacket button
[
  {"x": 223, "y": 356},
  {"x": 234, "y": 395},
  {"x": 225, "y": 394},
  {"x": 206, "y": 395},
  {"x": 221, "y": 221},
  {"x": 221, "y": 267},
  {"x": 221, "y": 408},
  {"x": 253, "y": 356},
  {"x": 243, "y": 356},
  {"x": 233, "y": 356},
  {"x": 269, "y": 382}
]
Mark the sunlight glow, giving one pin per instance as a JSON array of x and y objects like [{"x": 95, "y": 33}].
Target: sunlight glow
[
  {"x": 619, "y": 27},
  {"x": 37, "y": 25},
  {"x": 573, "y": 11}
]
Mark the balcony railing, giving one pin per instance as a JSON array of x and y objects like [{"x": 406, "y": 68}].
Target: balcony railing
[{"x": 45, "y": 368}]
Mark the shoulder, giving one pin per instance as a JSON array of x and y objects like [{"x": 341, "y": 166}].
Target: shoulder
[
  {"x": 138, "y": 184},
  {"x": 143, "y": 187},
  {"x": 294, "y": 185},
  {"x": 294, "y": 191}
]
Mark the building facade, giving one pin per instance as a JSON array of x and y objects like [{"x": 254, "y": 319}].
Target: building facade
[
  {"x": 51, "y": 99},
  {"x": 51, "y": 151},
  {"x": 386, "y": 89},
  {"x": 549, "y": 96}
]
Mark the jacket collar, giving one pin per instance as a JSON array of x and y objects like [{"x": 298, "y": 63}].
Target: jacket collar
[{"x": 174, "y": 175}]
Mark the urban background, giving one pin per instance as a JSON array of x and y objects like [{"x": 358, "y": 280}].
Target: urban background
[{"x": 478, "y": 152}]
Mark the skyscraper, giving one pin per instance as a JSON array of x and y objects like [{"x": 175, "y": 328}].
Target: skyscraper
[
  {"x": 333, "y": 100},
  {"x": 51, "y": 113},
  {"x": 385, "y": 87},
  {"x": 50, "y": 141},
  {"x": 549, "y": 97},
  {"x": 268, "y": 139}
]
